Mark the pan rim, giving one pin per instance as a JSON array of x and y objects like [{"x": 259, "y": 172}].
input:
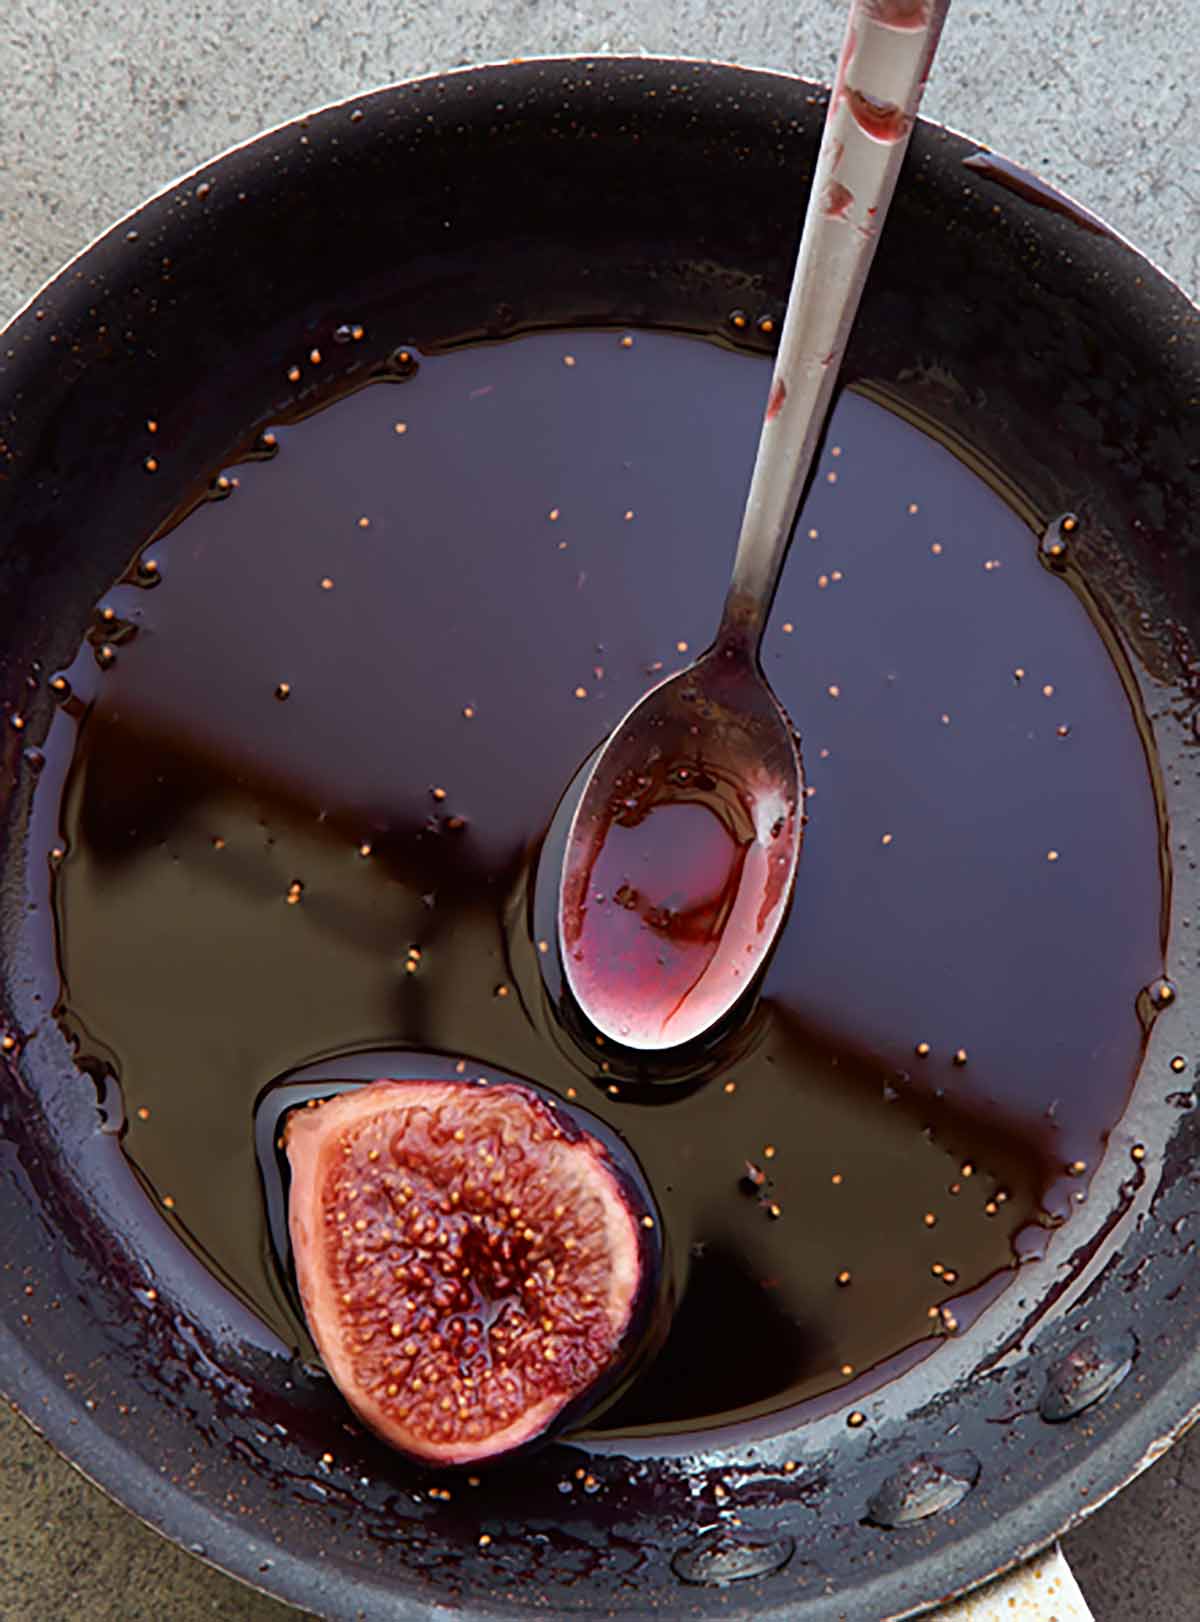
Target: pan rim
[{"x": 551, "y": 59}]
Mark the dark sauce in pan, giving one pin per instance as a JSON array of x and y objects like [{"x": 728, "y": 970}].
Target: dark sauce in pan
[{"x": 315, "y": 765}]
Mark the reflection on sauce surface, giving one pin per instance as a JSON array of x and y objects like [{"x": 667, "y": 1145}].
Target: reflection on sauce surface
[{"x": 321, "y": 754}]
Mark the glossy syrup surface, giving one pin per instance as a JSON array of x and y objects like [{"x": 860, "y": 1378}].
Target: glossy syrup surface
[{"x": 314, "y": 767}]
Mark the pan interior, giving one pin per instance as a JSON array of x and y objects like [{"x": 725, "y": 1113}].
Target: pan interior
[{"x": 321, "y": 726}]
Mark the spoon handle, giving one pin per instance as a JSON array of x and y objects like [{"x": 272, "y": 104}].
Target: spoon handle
[{"x": 886, "y": 56}]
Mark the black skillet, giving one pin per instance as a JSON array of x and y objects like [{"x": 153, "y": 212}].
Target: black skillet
[{"x": 546, "y": 193}]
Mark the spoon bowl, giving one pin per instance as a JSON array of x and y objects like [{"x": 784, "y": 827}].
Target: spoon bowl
[{"x": 681, "y": 853}]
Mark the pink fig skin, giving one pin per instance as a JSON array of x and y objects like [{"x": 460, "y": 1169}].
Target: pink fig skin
[{"x": 468, "y": 1265}]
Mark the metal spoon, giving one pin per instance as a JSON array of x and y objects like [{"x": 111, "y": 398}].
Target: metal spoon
[{"x": 683, "y": 848}]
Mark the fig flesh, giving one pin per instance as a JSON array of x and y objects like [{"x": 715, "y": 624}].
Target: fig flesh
[{"x": 471, "y": 1262}]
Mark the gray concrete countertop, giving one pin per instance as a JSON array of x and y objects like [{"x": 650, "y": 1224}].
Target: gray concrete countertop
[{"x": 104, "y": 102}]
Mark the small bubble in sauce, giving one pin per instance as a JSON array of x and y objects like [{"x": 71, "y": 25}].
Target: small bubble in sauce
[{"x": 402, "y": 363}]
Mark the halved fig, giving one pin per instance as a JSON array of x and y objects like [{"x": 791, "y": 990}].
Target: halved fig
[{"x": 471, "y": 1262}]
